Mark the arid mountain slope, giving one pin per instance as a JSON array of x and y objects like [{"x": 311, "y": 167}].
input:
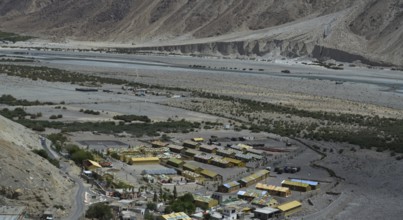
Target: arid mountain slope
[
  {"x": 368, "y": 28},
  {"x": 26, "y": 178}
]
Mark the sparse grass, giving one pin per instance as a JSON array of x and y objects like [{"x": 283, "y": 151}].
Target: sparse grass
[
  {"x": 6, "y": 36},
  {"x": 12, "y": 101}
]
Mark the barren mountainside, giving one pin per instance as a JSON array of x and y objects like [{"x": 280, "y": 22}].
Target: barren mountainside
[
  {"x": 26, "y": 178},
  {"x": 369, "y": 30}
]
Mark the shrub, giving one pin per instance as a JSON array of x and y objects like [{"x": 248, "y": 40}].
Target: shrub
[
  {"x": 285, "y": 71},
  {"x": 99, "y": 211}
]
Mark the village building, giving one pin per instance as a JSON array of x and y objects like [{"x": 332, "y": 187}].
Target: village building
[
  {"x": 211, "y": 174},
  {"x": 175, "y": 148},
  {"x": 158, "y": 144},
  {"x": 250, "y": 194},
  {"x": 296, "y": 186},
  {"x": 266, "y": 200},
  {"x": 313, "y": 184},
  {"x": 192, "y": 176},
  {"x": 266, "y": 213},
  {"x": 254, "y": 178},
  {"x": 274, "y": 190},
  {"x": 91, "y": 165},
  {"x": 191, "y": 167},
  {"x": 208, "y": 148},
  {"x": 190, "y": 144},
  {"x": 229, "y": 187},
  {"x": 235, "y": 162},
  {"x": 144, "y": 160},
  {"x": 176, "y": 216},
  {"x": 290, "y": 208},
  {"x": 204, "y": 202},
  {"x": 175, "y": 162}
]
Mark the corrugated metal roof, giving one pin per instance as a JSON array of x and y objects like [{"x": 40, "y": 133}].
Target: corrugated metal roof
[
  {"x": 173, "y": 146},
  {"x": 202, "y": 198},
  {"x": 191, "y": 166},
  {"x": 176, "y": 161},
  {"x": 312, "y": 183},
  {"x": 266, "y": 210},
  {"x": 231, "y": 160},
  {"x": 291, "y": 183},
  {"x": 252, "y": 193},
  {"x": 208, "y": 147},
  {"x": 254, "y": 176},
  {"x": 198, "y": 139},
  {"x": 160, "y": 172},
  {"x": 271, "y": 187},
  {"x": 176, "y": 216},
  {"x": 209, "y": 173},
  {"x": 289, "y": 205},
  {"x": 231, "y": 184},
  {"x": 94, "y": 163},
  {"x": 144, "y": 159},
  {"x": 190, "y": 142}
]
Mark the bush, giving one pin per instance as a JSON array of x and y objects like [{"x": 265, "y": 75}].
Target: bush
[
  {"x": 53, "y": 117},
  {"x": 285, "y": 71},
  {"x": 99, "y": 211},
  {"x": 130, "y": 118},
  {"x": 45, "y": 155}
]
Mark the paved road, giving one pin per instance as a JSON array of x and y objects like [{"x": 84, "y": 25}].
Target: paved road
[
  {"x": 53, "y": 154},
  {"x": 79, "y": 206}
]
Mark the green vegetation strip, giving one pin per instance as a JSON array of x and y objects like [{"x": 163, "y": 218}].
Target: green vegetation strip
[
  {"x": 58, "y": 75},
  {"x": 6, "y": 36},
  {"x": 138, "y": 129},
  {"x": 367, "y": 132},
  {"x": 11, "y": 101}
]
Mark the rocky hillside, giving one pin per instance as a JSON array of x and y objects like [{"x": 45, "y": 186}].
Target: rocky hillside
[
  {"x": 369, "y": 30},
  {"x": 26, "y": 178}
]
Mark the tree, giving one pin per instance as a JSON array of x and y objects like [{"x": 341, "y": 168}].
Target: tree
[
  {"x": 99, "y": 211},
  {"x": 148, "y": 215},
  {"x": 155, "y": 199},
  {"x": 175, "y": 192},
  {"x": 151, "y": 206}
]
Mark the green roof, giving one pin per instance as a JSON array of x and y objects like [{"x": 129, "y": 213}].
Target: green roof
[
  {"x": 176, "y": 161},
  {"x": 191, "y": 166}
]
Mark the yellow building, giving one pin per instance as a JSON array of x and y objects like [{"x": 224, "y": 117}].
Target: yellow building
[
  {"x": 235, "y": 162},
  {"x": 192, "y": 176},
  {"x": 158, "y": 144},
  {"x": 229, "y": 187},
  {"x": 198, "y": 139},
  {"x": 274, "y": 190},
  {"x": 191, "y": 167},
  {"x": 254, "y": 178},
  {"x": 297, "y": 186},
  {"x": 204, "y": 202},
  {"x": 144, "y": 160},
  {"x": 211, "y": 174},
  {"x": 191, "y": 144},
  {"x": 244, "y": 147},
  {"x": 290, "y": 208},
  {"x": 176, "y": 216},
  {"x": 175, "y": 162},
  {"x": 91, "y": 165}
]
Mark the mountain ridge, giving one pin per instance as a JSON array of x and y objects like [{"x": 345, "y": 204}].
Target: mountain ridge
[{"x": 371, "y": 29}]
